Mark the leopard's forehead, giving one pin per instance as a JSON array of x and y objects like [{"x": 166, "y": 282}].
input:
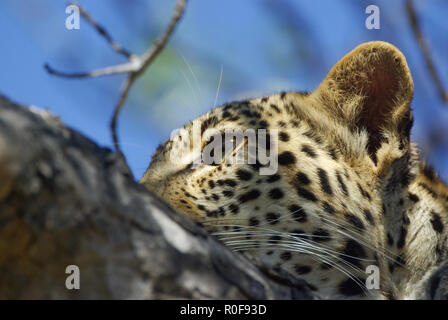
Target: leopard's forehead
[{"x": 288, "y": 117}]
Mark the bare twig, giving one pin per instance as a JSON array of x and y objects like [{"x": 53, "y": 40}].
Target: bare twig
[
  {"x": 124, "y": 94},
  {"x": 135, "y": 67},
  {"x": 415, "y": 25},
  {"x": 102, "y": 32},
  {"x": 118, "y": 69},
  {"x": 145, "y": 61}
]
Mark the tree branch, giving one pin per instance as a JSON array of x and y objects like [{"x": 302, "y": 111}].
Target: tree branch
[
  {"x": 136, "y": 66},
  {"x": 416, "y": 29},
  {"x": 65, "y": 201}
]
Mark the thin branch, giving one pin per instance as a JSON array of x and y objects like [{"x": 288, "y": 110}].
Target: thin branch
[
  {"x": 102, "y": 31},
  {"x": 124, "y": 94},
  {"x": 415, "y": 25},
  {"x": 107, "y": 71},
  {"x": 136, "y": 66},
  {"x": 146, "y": 59},
  {"x": 150, "y": 54}
]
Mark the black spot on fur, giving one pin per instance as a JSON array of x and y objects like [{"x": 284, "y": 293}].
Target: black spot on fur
[
  {"x": 229, "y": 182},
  {"x": 284, "y": 136},
  {"x": 211, "y": 184},
  {"x": 273, "y": 106},
  {"x": 332, "y": 153},
  {"x": 234, "y": 208},
  {"x": 209, "y": 122},
  {"x": 226, "y": 114},
  {"x": 406, "y": 220},
  {"x": 306, "y": 194},
  {"x": 213, "y": 213},
  {"x": 436, "y": 222},
  {"x": 272, "y": 217},
  {"x": 324, "y": 183},
  {"x": 303, "y": 178},
  {"x": 406, "y": 179},
  {"x": 285, "y": 256},
  {"x": 227, "y": 193},
  {"x": 298, "y": 213},
  {"x": 274, "y": 239},
  {"x": 286, "y": 158},
  {"x": 299, "y": 234},
  {"x": 413, "y": 197},
  {"x": 326, "y": 266},
  {"x": 402, "y": 238},
  {"x": 309, "y": 151},
  {"x": 353, "y": 252},
  {"x": 251, "y": 114},
  {"x": 321, "y": 235},
  {"x": 253, "y": 222},
  {"x": 429, "y": 173},
  {"x": 188, "y": 195},
  {"x": 364, "y": 193},
  {"x": 435, "y": 282},
  {"x": 328, "y": 208},
  {"x": 369, "y": 217},
  {"x": 390, "y": 240},
  {"x": 276, "y": 193},
  {"x": 374, "y": 157},
  {"x": 399, "y": 262},
  {"x": 354, "y": 220},
  {"x": 350, "y": 287},
  {"x": 431, "y": 192},
  {"x": 294, "y": 123},
  {"x": 256, "y": 166},
  {"x": 301, "y": 270},
  {"x": 342, "y": 184},
  {"x": 251, "y": 195},
  {"x": 273, "y": 178},
  {"x": 244, "y": 175},
  {"x": 263, "y": 124}
]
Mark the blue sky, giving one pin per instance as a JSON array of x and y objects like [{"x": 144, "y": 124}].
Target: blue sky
[{"x": 262, "y": 46}]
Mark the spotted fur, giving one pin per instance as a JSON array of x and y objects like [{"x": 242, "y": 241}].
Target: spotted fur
[{"x": 350, "y": 190}]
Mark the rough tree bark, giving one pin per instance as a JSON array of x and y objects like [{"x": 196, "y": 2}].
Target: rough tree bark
[{"x": 66, "y": 201}]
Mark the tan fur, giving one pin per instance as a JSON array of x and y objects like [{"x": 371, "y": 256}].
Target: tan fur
[{"x": 350, "y": 189}]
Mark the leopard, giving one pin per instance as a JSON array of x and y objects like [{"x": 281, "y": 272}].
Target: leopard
[{"x": 349, "y": 196}]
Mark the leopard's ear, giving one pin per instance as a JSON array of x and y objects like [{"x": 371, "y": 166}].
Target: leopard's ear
[{"x": 371, "y": 88}]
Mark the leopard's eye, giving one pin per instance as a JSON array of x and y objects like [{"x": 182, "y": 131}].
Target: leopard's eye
[
  {"x": 215, "y": 143},
  {"x": 223, "y": 143}
]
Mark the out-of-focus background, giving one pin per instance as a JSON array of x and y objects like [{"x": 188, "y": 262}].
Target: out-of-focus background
[{"x": 262, "y": 46}]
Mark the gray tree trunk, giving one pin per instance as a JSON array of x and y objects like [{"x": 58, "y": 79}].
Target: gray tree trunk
[{"x": 66, "y": 201}]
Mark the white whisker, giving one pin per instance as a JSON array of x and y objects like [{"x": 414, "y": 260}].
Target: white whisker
[
  {"x": 194, "y": 77},
  {"x": 219, "y": 87}
]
